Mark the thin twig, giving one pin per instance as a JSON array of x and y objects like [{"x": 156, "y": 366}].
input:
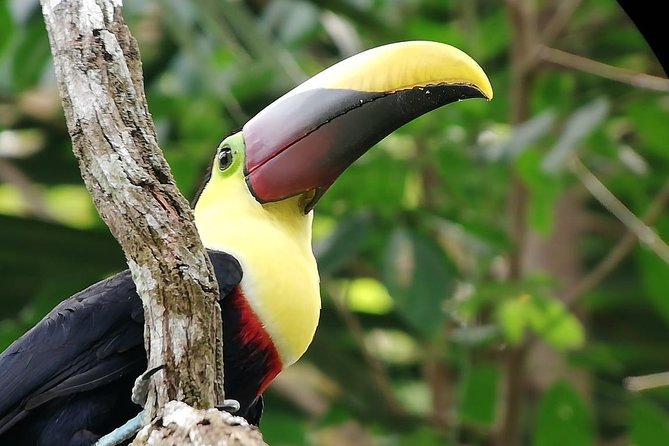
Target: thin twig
[
  {"x": 619, "y": 252},
  {"x": 574, "y": 294},
  {"x": 643, "y": 232},
  {"x": 646, "y": 382},
  {"x": 559, "y": 20},
  {"x": 525, "y": 48},
  {"x": 377, "y": 371},
  {"x": 580, "y": 63}
]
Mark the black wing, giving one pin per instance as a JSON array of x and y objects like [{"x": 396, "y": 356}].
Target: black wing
[
  {"x": 76, "y": 344},
  {"x": 91, "y": 339}
]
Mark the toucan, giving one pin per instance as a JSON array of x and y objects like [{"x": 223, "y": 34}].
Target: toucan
[{"x": 68, "y": 380}]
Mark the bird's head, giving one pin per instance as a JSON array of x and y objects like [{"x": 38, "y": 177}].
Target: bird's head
[
  {"x": 266, "y": 179},
  {"x": 296, "y": 147}
]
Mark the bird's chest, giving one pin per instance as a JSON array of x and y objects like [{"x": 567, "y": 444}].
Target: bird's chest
[
  {"x": 285, "y": 295},
  {"x": 280, "y": 277}
]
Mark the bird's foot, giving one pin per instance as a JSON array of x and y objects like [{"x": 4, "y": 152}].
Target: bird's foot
[
  {"x": 140, "y": 391},
  {"x": 123, "y": 433},
  {"x": 231, "y": 406}
]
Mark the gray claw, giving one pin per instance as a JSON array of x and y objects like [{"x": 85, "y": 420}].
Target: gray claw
[
  {"x": 231, "y": 406},
  {"x": 140, "y": 391}
]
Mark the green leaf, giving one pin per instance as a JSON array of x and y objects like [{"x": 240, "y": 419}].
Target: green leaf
[
  {"x": 6, "y": 26},
  {"x": 551, "y": 320},
  {"x": 547, "y": 317},
  {"x": 424, "y": 436},
  {"x": 579, "y": 125},
  {"x": 333, "y": 252},
  {"x": 419, "y": 278},
  {"x": 655, "y": 274},
  {"x": 649, "y": 425},
  {"x": 563, "y": 419},
  {"x": 30, "y": 55},
  {"x": 513, "y": 317},
  {"x": 650, "y": 122},
  {"x": 374, "y": 183},
  {"x": 480, "y": 395},
  {"x": 367, "y": 295},
  {"x": 655, "y": 277},
  {"x": 565, "y": 333}
]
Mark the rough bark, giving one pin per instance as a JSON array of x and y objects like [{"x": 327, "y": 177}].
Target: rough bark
[
  {"x": 182, "y": 425},
  {"x": 99, "y": 77}
]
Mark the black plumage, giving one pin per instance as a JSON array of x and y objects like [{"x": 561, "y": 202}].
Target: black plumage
[{"x": 68, "y": 380}]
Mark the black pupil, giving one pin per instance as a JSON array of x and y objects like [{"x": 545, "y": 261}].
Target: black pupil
[{"x": 225, "y": 158}]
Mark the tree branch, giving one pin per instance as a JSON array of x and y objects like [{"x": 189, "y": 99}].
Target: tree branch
[
  {"x": 643, "y": 232},
  {"x": 99, "y": 77},
  {"x": 646, "y": 382},
  {"x": 573, "y": 295},
  {"x": 619, "y": 251},
  {"x": 580, "y": 63}
]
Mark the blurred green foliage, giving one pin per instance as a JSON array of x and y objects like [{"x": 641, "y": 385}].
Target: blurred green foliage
[{"x": 439, "y": 325}]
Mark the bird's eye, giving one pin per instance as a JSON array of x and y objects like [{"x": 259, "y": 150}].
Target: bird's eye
[{"x": 225, "y": 158}]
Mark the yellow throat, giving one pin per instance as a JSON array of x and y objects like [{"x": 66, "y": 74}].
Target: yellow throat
[{"x": 272, "y": 243}]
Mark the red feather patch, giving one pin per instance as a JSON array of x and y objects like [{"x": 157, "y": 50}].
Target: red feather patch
[{"x": 252, "y": 332}]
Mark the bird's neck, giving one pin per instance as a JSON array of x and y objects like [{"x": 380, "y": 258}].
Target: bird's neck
[{"x": 272, "y": 243}]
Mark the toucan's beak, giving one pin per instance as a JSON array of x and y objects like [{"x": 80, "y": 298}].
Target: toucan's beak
[{"x": 304, "y": 140}]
